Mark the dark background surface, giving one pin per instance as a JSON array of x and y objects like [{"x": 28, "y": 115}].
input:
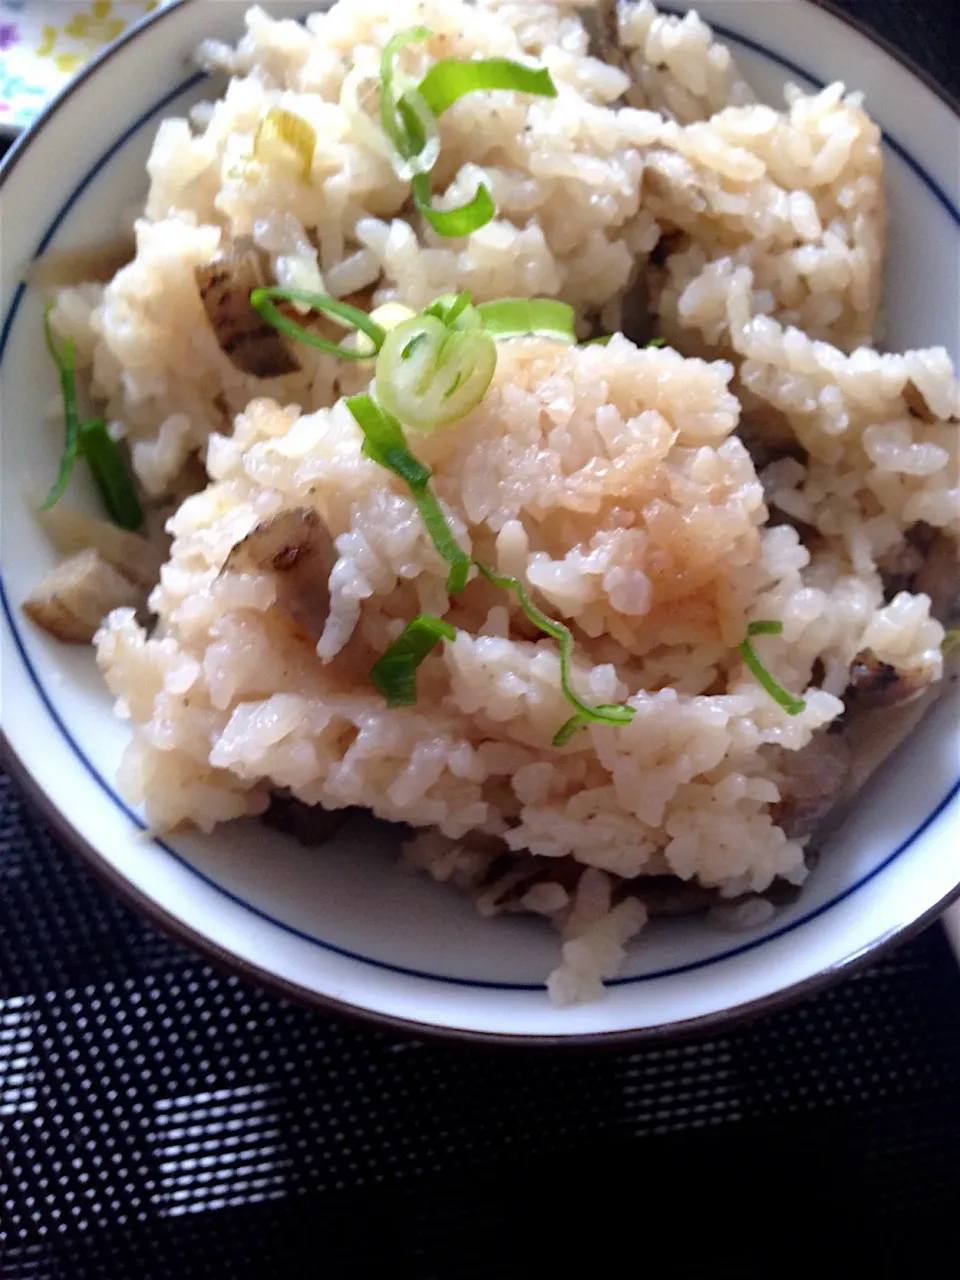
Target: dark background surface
[{"x": 158, "y": 1119}]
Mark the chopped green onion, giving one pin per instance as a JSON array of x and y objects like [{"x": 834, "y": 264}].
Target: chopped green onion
[
  {"x": 453, "y": 223},
  {"x": 409, "y": 120},
  {"x": 110, "y": 472},
  {"x": 793, "y": 706},
  {"x": 951, "y": 641},
  {"x": 585, "y": 713},
  {"x": 446, "y": 82},
  {"x": 395, "y": 674},
  {"x": 441, "y": 535},
  {"x": 578, "y": 722},
  {"x": 429, "y": 375},
  {"x": 516, "y": 317},
  {"x": 413, "y": 122},
  {"x": 404, "y": 117},
  {"x": 66, "y": 362},
  {"x": 605, "y": 339},
  {"x": 384, "y": 443},
  {"x": 451, "y": 78},
  {"x": 282, "y": 132},
  {"x": 388, "y": 67},
  {"x": 412, "y": 345},
  {"x": 260, "y": 299},
  {"x": 92, "y": 439},
  {"x": 456, "y": 310},
  {"x": 568, "y": 729},
  {"x": 421, "y": 147}
]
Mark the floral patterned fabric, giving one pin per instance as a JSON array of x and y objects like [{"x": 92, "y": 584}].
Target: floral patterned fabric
[{"x": 45, "y": 42}]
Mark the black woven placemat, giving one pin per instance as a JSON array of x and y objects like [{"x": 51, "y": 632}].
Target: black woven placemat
[{"x": 159, "y": 1119}]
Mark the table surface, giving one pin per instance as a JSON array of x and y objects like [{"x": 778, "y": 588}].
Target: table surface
[{"x": 162, "y": 1119}]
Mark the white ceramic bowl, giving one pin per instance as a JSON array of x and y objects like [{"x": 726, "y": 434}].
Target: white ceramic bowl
[{"x": 346, "y": 927}]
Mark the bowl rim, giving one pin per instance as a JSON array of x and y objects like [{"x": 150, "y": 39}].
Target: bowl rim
[
  {"x": 168, "y": 923},
  {"x": 228, "y": 963}
]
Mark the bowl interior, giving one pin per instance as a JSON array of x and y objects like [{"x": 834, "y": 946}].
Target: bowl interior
[{"x": 348, "y": 922}]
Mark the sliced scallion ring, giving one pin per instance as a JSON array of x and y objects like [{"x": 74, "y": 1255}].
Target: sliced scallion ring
[
  {"x": 109, "y": 467},
  {"x": 395, "y": 674},
  {"x": 91, "y": 439},
  {"x": 452, "y": 78},
  {"x": 561, "y": 633},
  {"x": 519, "y": 317},
  {"x": 453, "y": 223},
  {"x": 282, "y": 133},
  {"x": 456, "y": 310},
  {"x": 783, "y": 697},
  {"x": 407, "y": 140},
  {"x": 384, "y": 442},
  {"x": 66, "y": 362},
  {"x": 605, "y": 338},
  {"x": 262, "y": 301},
  {"x": 409, "y": 116},
  {"x": 429, "y": 375},
  {"x": 580, "y": 721},
  {"x": 422, "y": 145}
]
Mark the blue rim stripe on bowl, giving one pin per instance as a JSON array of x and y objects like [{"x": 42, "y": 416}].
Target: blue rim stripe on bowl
[{"x": 292, "y": 930}]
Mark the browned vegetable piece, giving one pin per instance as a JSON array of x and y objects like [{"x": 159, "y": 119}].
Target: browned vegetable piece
[
  {"x": 510, "y": 878},
  {"x": 296, "y": 547},
  {"x": 939, "y": 577},
  {"x": 71, "y": 601},
  {"x": 781, "y": 892},
  {"x": 878, "y": 684},
  {"x": 600, "y": 21},
  {"x": 811, "y": 782},
  {"x": 132, "y": 555},
  {"x": 918, "y": 407},
  {"x": 248, "y": 341},
  {"x": 669, "y": 895},
  {"x": 669, "y": 243},
  {"x": 876, "y": 733},
  {"x": 310, "y": 824}
]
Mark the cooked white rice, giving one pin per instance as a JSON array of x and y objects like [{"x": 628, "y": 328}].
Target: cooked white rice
[
  {"x": 584, "y": 189},
  {"x": 611, "y": 479}
]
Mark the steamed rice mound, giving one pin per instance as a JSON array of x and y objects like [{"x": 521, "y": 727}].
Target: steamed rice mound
[
  {"x": 772, "y": 466},
  {"x": 608, "y": 477}
]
